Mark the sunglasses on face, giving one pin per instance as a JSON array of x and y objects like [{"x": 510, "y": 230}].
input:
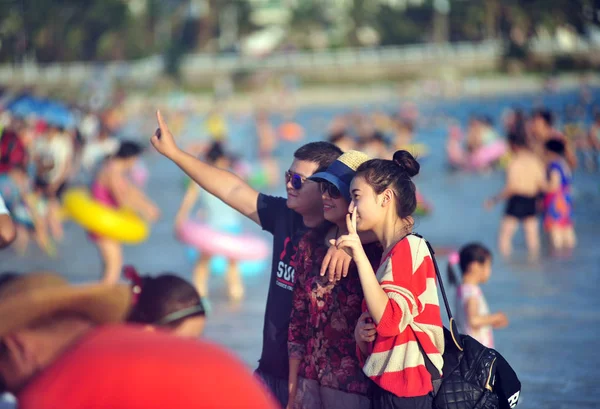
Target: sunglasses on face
[
  {"x": 331, "y": 190},
  {"x": 295, "y": 179}
]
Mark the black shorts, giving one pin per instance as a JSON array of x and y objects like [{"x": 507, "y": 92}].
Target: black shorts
[{"x": 521, "y": 207}]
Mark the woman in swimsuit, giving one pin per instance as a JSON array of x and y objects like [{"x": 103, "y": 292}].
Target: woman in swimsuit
[{"x": 112, "y": 188}]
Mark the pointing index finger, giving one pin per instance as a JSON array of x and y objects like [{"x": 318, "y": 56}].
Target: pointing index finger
[
  {"x": 353, "y": 221},
  {"x": 161, "y": 121}
]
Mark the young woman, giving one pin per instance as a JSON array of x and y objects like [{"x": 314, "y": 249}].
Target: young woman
[
  {"x": 112, "y": 188},
  {"x": 472, "y": 312},
  {"x": 402, "y": 314},
  {"x": 324, "y": 369},
  {"x": 166, "y": 302}
]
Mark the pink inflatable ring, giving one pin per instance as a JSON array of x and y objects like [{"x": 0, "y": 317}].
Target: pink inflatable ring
[{"x": 214, "y": 242}]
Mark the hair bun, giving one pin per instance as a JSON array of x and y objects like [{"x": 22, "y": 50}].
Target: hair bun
[{"x": 407, "y": 163}]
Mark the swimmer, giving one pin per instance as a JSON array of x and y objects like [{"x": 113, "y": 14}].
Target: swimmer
[
  {"x": 525, "y": 179},
  {"x": 166, "y": 302},
  {"x": 113, "y": 189},
  {"x": 342, "y": 140},
  {"x": 558, "y": 203},
  {"x": 220, "y": 217},
  {"x": 594, "y": 138},
  {"x": 542, "y": 128}
]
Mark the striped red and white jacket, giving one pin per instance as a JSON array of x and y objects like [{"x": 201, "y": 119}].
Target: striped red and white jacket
[{"x": 395, "y": 362}]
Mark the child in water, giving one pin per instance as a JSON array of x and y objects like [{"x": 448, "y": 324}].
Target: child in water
[
  {"x": 220, "y": 217},
  {"x": 525, "y": 179},
  {"x": 558, "y": 203},
  {"x": 472, "y": 312},
  {"x": 166, "y": 301}
]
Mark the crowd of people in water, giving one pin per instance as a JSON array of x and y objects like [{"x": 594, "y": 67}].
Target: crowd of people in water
[{"x": 352, "y": 314}]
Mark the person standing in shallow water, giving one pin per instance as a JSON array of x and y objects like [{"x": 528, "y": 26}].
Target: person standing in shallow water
[
  {"x": 324, "y": 369},
  {"x": 286, "y": 220},
  {"x": 472, "y": 312},
  {"x": 558, "y": 203},
  {"x": 525, "y": 180},
  {"x": 401, "y": 309},
  {"x": 112, "y": 188}
]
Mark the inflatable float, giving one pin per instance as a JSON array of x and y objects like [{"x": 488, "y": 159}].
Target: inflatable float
[
  {"x": 488, "y": 155},
  {"x": 218, "y": 264},
  {"x": 122, "y": 225},
  {"x": 242, "y": 247}
]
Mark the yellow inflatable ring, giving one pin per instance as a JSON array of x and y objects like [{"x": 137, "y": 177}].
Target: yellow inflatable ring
[{"x": 118, "y": 224}]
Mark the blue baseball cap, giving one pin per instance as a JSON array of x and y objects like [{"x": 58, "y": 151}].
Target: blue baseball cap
[{"x": 341, "y": 172}]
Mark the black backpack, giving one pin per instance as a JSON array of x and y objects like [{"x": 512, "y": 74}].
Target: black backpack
[{"x": 475, "y": 377}]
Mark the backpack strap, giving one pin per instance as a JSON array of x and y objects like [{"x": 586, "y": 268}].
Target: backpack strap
[
  {"x": 431, "y": 368},
  {"x": 451, "y": 321}
]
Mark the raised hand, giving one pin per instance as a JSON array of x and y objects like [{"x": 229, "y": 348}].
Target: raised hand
[
  {"x": 163, "y": 140},
  {"x": 350, "y": 242}
]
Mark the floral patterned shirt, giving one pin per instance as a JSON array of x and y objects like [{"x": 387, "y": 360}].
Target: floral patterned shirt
[{"x": 324, "y": 315}]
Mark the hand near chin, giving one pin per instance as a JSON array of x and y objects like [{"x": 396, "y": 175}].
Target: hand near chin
[{"x": 350, "y": 242}]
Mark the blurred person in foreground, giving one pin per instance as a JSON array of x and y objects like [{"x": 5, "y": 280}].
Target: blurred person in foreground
[
  {"x": 61, "y": 346},
  {"x": 166, "y": 302},
  {"x": 8, "y": 231}
]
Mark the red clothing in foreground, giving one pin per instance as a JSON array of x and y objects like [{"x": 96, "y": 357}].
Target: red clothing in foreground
[{"x": 120, "y": 367}]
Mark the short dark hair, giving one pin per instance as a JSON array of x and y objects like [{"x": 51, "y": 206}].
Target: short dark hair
[
  {"x": 545, "y": 114},
  {"x": 7, "y": 277},
  {"x": 128, "y": 149},
  {"x": 555, "y": 145},
  {"x": 469, "y": 254},
  {"x": 215, "y": 152},
  {"x": 164, "y": 295},
  {"x": 321, "y": 153}
]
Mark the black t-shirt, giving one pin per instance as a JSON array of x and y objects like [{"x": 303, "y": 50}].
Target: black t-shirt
[{"x": 287, "y": 229}]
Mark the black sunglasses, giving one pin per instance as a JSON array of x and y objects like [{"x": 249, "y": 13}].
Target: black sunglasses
[
  {"x": 296, "y": 180},
  {"x": 331, "y": 190}
]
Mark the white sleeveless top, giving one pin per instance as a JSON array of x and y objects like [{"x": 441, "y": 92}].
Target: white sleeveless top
[{"x": 463, "y": 294}]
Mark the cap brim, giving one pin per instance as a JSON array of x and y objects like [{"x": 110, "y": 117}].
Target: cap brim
[
  {"x": 100, "y": 303},
  {"x": 334, "y": 180}
]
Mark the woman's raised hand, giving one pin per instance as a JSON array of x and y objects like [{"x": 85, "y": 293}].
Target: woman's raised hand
[{"x": 350, "y": 242}]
